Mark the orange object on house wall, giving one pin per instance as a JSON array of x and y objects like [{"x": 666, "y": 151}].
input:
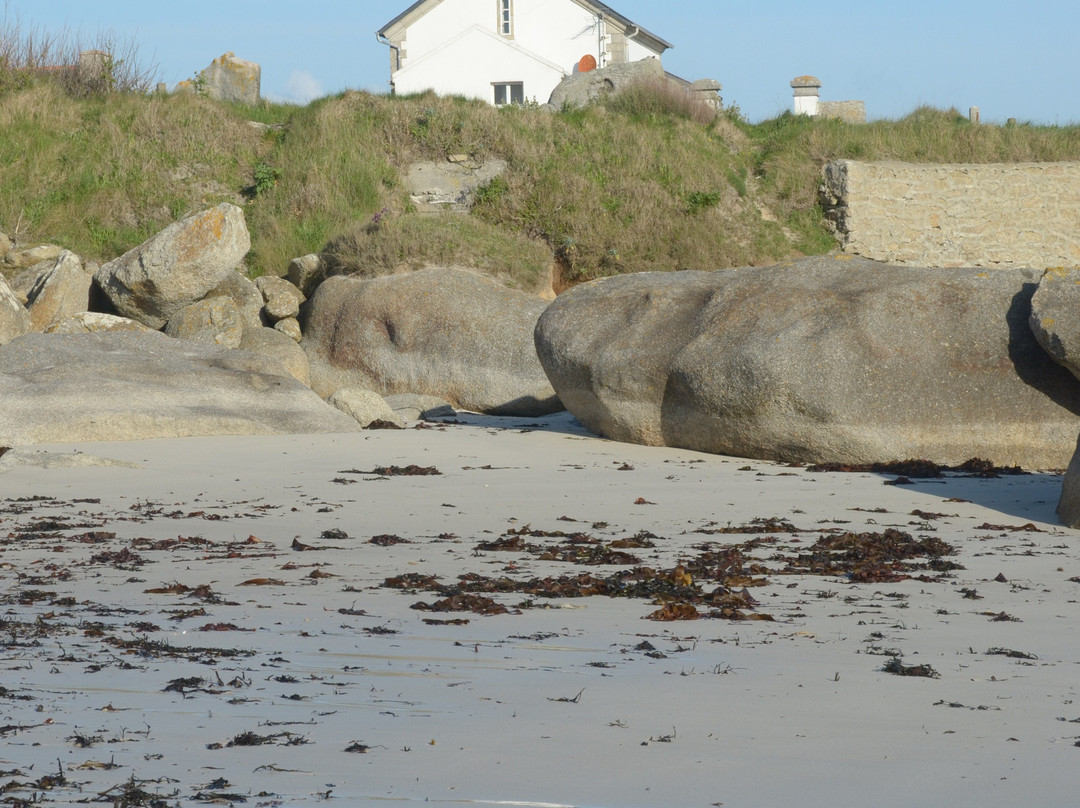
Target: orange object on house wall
[{"x": 587, "y": 63}]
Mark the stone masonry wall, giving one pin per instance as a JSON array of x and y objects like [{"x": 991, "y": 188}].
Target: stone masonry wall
[
  {"x": 846, "y": 111},
  {"x": 978, "y": 215}
]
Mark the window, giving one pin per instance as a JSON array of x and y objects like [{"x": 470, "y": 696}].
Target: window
[
  {"x": 506, "y": 17},
  {"x": 512, "y": 92}
]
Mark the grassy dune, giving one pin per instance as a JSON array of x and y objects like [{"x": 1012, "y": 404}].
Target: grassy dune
[{"x": 640, "y": 182}]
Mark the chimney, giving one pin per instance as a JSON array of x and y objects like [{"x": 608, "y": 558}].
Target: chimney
[{"x": 807, "y": 90}]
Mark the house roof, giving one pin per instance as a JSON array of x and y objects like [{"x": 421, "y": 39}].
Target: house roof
[{"x": 417, "y": 9}]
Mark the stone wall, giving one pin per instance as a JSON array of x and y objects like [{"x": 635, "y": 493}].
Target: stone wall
[
  {"x": 985, "y": 215},
  {"x": 846, "y": 111}
]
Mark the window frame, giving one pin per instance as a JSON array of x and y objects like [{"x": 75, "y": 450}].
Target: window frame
[
  {"x": 514, "y": 92},
  {"x": 505, "y": 18}
]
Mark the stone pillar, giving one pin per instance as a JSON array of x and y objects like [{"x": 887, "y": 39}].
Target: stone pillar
[
  {"x": 707, "y": 91},
  {"x": 973, "y": 115},
  {"x": 807, "y": 91},
  {"x": 92, "y": 63}
]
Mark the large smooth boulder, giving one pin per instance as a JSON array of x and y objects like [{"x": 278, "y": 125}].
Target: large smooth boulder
[
  {"x": 14, "y": 318},
  {"x": 129, "y": 386},
  {"x": 177, "y": 267},
  {"x": 60, "y": 292},
  {"x": 442, "y": 332},
  {"x": 821, "y": 359}
]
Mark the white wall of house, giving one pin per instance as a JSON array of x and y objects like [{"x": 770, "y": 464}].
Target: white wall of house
[
  {"x": 638, "y": 52},
  {"x": 457, "y": 48}
]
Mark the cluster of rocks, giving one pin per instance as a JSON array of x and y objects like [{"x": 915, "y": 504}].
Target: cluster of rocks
[
  {"x": 826, "y": 359},
  {"x": 170, "y": 339}
]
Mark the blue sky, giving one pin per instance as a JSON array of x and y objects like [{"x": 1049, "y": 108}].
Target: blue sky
[{"x": 1010, "y": 59}]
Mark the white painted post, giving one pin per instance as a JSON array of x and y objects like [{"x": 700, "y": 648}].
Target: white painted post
[{"x": 807, "y": 91}]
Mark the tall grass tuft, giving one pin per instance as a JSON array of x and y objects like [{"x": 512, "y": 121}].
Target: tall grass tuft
[{"x": 658, "y": 97}]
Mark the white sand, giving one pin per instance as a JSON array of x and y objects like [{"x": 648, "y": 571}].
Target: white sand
[{"x": 791, "y": 712}]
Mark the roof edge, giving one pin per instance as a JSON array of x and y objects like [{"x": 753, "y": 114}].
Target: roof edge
[
  {"x": 639, "y": 31},
  {"x": 417, "y": 9}
]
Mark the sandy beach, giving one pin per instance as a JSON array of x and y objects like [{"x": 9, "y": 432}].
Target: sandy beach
[{"x": 283, "y": 621}]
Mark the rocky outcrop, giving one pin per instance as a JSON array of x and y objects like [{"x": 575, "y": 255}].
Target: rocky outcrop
[
  {"x": 14, "y": 318},
  {"x": 129, "y": 386},
  {"x": 177, "y": 267},
  {"x": 450, "y": 184},
  {"x": 60, "y": 292},
  {"x": 442, "y": 332},
  {"x": 228, "y": 78},
  {"x": 820, "y": 359},
  {"x": 580, "y": 89}
]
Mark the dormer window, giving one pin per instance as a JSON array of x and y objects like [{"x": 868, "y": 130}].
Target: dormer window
[{"x": 506, "y": 18}]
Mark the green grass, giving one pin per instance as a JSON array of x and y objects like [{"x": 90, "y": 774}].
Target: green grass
[{"x": 636, "y": 184}]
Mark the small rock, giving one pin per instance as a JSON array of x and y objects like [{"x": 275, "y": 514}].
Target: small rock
[
  {"x": 282, "y": 299},
  {"x": 19, "y": 259},
  {"x": 282, "y": 348},
  {"x": 306, "y": 273},
  {"x": 60, "y": 292},
  {"x": 14, "y": 318},
  {"x": 244, "y": 294},
  {"x": 214, "y": 321},
  {"x": 416, "y": 407},
  {"x": 366, "y": 406},
  {"x": 290, "y": 327}
]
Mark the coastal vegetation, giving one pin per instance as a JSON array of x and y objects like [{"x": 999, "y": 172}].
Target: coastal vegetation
[{"x": 640, "y": 181}]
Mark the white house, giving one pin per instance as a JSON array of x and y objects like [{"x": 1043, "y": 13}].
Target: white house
[{"x": 507, "y": 51}]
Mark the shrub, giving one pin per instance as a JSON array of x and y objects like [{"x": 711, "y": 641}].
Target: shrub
[{"x": 80, "y": 67}]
